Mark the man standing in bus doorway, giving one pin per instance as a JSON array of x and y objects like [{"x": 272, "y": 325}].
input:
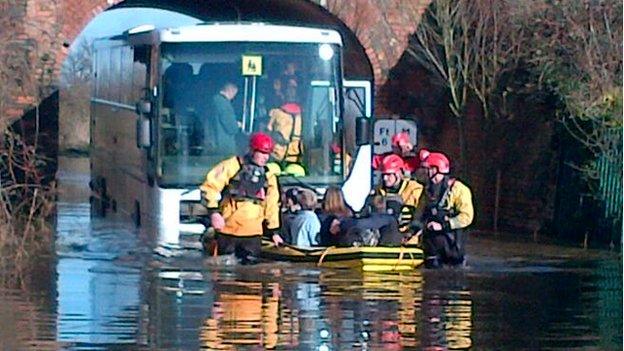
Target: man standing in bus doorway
[
  {"x": 221, "y": 126},
  {"x": 446, "y": 209},
  {"x": 249, "y": 201}
]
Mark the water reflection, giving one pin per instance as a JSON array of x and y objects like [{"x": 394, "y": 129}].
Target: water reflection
[
  {"x": 335, "y": 311},
  {"x": 96, "y": 304},
  {"x": 446, "y": 312},
  {"x": 98, "y": 298},
  {"x": 106, "y": 290}
]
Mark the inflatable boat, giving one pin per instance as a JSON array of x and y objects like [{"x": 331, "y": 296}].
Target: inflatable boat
[{"x": 366, "y": 258}]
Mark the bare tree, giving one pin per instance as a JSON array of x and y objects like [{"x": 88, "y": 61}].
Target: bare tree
[
  {"x": 75, "y": 89},
  {"x": 442, "y": 45},
  {"x": 77, "y": 66},
  {"x": 498, "y": 38},
  {"x": 26, "y": 78},
  {"x": 577, "y": 46}
]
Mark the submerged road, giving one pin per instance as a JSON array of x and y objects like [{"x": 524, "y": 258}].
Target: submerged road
[{"x": 104, "y": 289}]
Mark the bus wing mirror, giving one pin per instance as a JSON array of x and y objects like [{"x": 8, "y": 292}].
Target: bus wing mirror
[
  {"x": 143, "y": 134},
  {"x": 362, "y": 131},
  {"x": 144, "y": 107}
]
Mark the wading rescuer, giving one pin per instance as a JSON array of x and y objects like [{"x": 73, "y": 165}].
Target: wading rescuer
[
  {"x": 446, "y": 209},
  {"x": 400, "y": 193},
  {"x": 242, "y": 197}
]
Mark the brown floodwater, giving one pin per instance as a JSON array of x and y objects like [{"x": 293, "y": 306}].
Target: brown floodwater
[{"x": 104, "y": 289}]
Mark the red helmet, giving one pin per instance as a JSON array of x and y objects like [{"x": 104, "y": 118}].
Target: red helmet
[
  {"x": 261, "y": 142},
  {"x": 435, "y": 159},
  {"x": 392, "y": 164},
  {"x": 400, "y": 138}
]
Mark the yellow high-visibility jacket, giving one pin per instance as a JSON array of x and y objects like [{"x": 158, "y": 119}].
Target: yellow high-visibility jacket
[
  {"x": 410, "y": 192},
  {"x": 458, "y": 201},
  {"x": 285, "y": 123},
  {"x": 242, "y": 217}
]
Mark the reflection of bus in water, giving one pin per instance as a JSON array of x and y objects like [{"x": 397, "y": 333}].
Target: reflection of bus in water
[{"x": 154, "y": 130}]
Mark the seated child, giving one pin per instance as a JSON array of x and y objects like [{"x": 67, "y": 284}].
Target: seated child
[
  {"x": 305, "y": 226},
  {"x": 289, "y": 212},
  {"x": 333, "y": 209}
]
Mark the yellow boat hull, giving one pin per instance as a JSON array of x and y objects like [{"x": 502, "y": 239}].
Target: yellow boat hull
[{"x": 365, "y": 258}]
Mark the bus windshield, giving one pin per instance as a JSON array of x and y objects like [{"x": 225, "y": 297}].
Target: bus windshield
[{"x": 214, "y": 95}]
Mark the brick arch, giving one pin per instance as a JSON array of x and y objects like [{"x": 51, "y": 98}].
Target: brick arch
[{"x": 47, "y": 30}]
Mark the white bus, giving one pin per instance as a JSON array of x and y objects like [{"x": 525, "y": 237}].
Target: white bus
[{"x": 152, "y": 135}]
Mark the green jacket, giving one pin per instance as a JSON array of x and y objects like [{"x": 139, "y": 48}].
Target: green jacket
[{"x": 221, "y": 125}]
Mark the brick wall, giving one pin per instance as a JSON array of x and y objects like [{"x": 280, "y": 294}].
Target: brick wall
[{"x": 383, "y": 28}]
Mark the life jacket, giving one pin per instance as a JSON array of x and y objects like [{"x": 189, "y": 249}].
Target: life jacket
[
  {"x": 395, "y": 205},
  {"x": 246, "y": 197},
  {"x": 402, "y": 203},
  {"x": 249, "y": 183},
  {"x": 439, "y": 206}
]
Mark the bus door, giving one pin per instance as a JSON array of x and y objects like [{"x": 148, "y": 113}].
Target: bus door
[
  {"x": 323, "y": 126},
  {"x": 357, "y": 103},
  {"x": 145, "y": 74}
]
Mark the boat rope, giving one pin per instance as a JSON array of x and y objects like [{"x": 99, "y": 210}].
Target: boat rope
[
  {"x": 325, "y": 252},
  {"x": 401, "y": 253}
]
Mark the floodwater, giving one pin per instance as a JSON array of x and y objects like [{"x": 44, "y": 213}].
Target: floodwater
[{"x": 104, "y": 289}]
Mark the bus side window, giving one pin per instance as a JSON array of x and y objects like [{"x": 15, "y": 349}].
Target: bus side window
[{"x": 139, "y": 74}]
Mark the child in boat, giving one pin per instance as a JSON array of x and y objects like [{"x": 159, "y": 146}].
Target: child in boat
[
  {"x": 333, "y": 209},
  {"x": 289, "y": 212},
  {"x": 305, "y": 226}
]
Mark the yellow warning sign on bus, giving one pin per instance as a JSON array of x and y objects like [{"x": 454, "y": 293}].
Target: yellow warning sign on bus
[{"x": 252, "y": 65}]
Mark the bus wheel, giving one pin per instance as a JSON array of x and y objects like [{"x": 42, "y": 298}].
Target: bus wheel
[{"x": 136, "y": 214}]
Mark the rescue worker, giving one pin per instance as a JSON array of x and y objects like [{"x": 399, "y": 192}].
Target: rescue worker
[
  {"x": 401, "y": 195},
  {"x": 242, "y": 197},
  {"x": 403, "y": 147},
  {"x": 285, "y": 127},
  {"x": 446, "y": 209}
]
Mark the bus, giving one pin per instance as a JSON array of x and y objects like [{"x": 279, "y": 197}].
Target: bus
[{"x": 153, "y": 137}]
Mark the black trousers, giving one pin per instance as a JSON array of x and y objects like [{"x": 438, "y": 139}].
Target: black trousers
[
  {"x": 442, "y": 247},
  {"x": 242, "y": 247}
]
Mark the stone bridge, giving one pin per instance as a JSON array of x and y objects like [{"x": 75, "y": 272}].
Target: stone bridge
[{"x": 36, "y": 34}]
